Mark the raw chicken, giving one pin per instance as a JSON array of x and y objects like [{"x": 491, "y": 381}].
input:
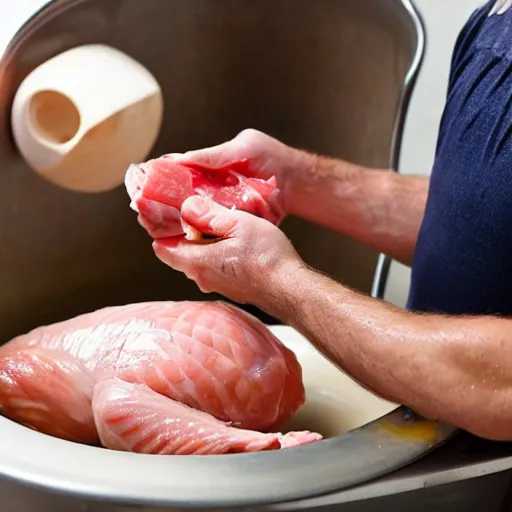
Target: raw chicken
[
  {"x": 159, "y": 187},
  {"x": 157, "y": 377}
]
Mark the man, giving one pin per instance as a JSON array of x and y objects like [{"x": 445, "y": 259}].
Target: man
[{"x": 449, "y": 356}]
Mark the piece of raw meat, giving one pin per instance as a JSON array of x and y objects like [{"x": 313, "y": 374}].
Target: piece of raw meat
[
  {"x": 192, "y": 431},
  {"x": 158, "y": 188},
  {"x": 156, "y": 377}
]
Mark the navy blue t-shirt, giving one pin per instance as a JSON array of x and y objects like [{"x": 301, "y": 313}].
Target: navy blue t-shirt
[{"x": 463, "y": 259}]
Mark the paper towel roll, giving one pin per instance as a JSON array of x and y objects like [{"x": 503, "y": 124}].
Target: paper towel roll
[{"x": 80, "y": 118}]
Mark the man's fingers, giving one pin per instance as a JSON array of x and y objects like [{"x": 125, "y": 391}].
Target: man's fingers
[
  {"x": 184, "y": 256},
  {"x": 245, "y": 145},
  {"x": 209, "y": 217}
]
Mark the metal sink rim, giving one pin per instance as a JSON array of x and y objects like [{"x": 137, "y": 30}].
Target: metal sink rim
[{"x": 223, "y": 480}]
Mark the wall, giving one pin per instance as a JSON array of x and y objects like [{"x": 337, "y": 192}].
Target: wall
[
  {"x": 13, "y": 13},
  {"x": 443, "y": 20}
]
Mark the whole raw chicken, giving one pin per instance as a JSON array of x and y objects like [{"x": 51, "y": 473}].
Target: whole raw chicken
[{"x": 156, "y": 378}]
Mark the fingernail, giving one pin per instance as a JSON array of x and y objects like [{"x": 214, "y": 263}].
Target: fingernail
[{"x": 196, "y": 205}]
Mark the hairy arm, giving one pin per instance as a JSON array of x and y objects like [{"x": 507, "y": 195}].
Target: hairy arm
[
  {"x": 379, "y": 208},
  {"x": 456, "y": 369}
]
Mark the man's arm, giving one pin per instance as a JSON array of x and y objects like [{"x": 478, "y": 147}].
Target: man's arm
[
  {"x": 379, "y": 208},
  {"x": 457, "y": 369}
]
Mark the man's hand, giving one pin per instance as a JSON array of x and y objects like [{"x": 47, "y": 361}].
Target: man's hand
[
  {"x": 244, "y": 262},
  {"x": 267, "y": 156}
]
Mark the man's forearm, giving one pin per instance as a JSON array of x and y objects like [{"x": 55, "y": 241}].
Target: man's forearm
[
  {"x": 455, "y": 369},
  {"x": 381, "y": 209}
]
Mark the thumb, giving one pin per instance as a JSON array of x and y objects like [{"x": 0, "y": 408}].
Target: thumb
[
  {"x": 214, "y": 156},
  {"x": 209, "y": 217}
]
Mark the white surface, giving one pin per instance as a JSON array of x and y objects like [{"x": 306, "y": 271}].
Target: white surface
[
  {"x": 13, "y": 13},
  {"x": 443, "y": 20}
]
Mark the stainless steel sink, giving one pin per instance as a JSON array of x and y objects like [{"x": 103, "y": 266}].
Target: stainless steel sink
[{"x": 331, "y": 76}]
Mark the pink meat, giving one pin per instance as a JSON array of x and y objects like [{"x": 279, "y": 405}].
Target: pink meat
[
  {"x": 159, "y": 187},
  {"x": 166, "y": 378}
]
